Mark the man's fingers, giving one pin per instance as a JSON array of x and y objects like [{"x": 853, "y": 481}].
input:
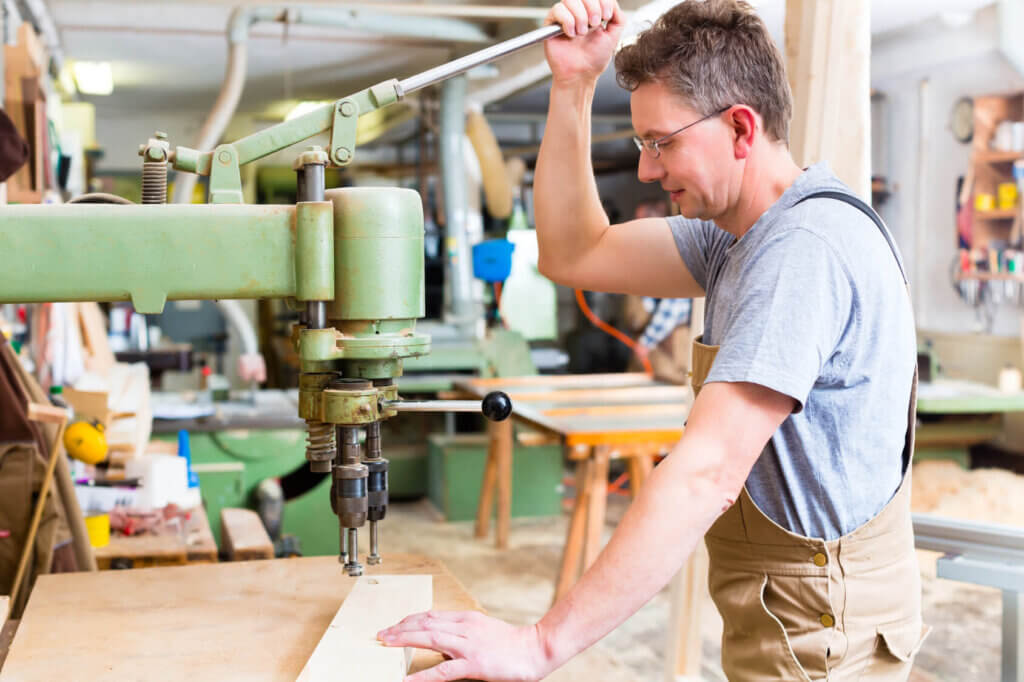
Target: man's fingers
[
  {"x": 618, "y": 19},
  {"x": 607, "y": 9},
  {"x": 446, "y": 671},
  {"x": 579, "y": 12},
  {"x": 437, "y": 640},
  {"x": 561, "y": 15},
  {"x": 420, "y": 621}
]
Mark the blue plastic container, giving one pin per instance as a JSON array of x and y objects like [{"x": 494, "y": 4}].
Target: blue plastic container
[{"x": 492, "y": 260}]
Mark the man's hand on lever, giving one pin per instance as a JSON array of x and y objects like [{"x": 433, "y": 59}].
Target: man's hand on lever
[{"x": 591, "y": 30}]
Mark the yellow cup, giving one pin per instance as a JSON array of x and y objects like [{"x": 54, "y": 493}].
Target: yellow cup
[
  {"x": 98, "y": 527},
  {"x": 1007, "y": 192},
  {"x": 984, "y": 202}
]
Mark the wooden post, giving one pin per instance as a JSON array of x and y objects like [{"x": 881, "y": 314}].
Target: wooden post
[
  {"x": 640, "y": 467},
  {"x": 53, "y": 415},
  {"x": 501, "y": 433},
  {"x": 597, "y": 499},
  {"x": 828, "y": 52},
  {"x": 573, "y": 552},
  {"x": 485, "y": 505},
  {"x": 683, "y": 649},
  {"x": 497, "y": 476}
]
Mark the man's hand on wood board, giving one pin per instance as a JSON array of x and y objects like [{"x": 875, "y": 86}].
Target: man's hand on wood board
[{"x": 478, "y": 647}]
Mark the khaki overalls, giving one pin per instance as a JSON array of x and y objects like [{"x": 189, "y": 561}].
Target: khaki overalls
[{"x": 799, "y": 608}]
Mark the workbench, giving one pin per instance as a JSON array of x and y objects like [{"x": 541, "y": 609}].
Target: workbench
[
  {"x": 257, "y": 621},
  {"x": 194, "y": 544},
  {"x": 596, "y": 417},
  {"x": 955, "y": 414}
]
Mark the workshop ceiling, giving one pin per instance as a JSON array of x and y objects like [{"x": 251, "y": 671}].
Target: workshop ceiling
[{"x": 172, "y": 54}]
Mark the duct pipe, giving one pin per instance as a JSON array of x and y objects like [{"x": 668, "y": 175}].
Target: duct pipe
[
  {"x": 453, "y": 177},
  {"x": 243, "y": 18}
]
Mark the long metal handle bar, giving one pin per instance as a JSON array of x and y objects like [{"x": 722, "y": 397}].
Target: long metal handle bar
[
  {"x": 283, "y": 135},
  {"x": 478, "y": 58}
]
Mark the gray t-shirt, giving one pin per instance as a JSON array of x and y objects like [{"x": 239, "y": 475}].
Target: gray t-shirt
[{"x": 811, "y": 302}]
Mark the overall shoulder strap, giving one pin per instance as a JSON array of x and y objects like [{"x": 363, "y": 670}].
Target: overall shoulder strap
[{"x": 864, "y": 208}]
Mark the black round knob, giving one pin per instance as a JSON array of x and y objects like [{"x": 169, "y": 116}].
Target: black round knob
[{"x": 496, "y": 406}]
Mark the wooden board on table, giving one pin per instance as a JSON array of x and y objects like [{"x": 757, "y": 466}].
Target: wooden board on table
[
  {"x": 98, "y": 356},
  {"x": 349, "y": 649},
  {"x": 4, "y": 609},
  {"x": 257, "y": 621},
  {"x": 244, "y": 536}
]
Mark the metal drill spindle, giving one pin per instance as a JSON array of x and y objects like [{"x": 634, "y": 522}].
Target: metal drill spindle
[
  {"x": 377, "y": 489},
  {"x": 350, "y": 495}
]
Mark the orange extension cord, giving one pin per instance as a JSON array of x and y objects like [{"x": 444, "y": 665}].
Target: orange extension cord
[
  {"x": 497, "y": 303},
  {"x": 612, "y": 331}
]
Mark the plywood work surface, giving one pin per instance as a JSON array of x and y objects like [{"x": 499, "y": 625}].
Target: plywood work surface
[{"x": 255, "y": 621}]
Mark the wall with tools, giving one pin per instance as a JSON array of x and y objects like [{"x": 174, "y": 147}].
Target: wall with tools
[{"x": 922, "y": 72}]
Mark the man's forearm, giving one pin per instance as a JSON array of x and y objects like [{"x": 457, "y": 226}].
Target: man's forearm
[
  {"x": 567, "y": 208},
  {"x": 675, "y": 507}
]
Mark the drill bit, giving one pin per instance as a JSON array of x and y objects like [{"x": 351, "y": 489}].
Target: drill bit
[
  {"x": 373, "y": 558},
  {"x": 352, "y": 566}
]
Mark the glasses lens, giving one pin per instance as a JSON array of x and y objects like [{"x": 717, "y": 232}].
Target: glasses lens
[{"x": 638, "y": 142}]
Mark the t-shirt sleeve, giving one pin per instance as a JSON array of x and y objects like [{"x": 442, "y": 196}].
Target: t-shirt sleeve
[
  {"x": 693, "y": 239},
  {"x": 792, "y": 306}
]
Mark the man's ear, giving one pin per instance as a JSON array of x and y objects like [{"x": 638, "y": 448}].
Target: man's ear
[{"x": 744, "y": 122}]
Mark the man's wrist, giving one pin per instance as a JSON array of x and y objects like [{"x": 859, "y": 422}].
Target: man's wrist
[{"x": 551, "y": 650}]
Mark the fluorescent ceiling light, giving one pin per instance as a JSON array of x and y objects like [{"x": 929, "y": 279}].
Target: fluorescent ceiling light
[
  {"x": 304, "y": 108},
  {"x": 93, "y": 78}
]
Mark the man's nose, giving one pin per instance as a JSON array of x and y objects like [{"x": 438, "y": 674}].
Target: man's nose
[{"x": 649, "y": 168}]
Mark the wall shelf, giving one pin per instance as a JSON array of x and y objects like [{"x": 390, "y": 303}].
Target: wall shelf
[
  {"x": 991, "y": 156},
  {"x": 997, "y": 214}
]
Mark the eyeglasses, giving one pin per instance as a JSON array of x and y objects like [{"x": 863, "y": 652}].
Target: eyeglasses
[{"x": 653, "y": 146}]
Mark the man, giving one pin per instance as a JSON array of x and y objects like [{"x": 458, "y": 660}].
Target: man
[{"x": 794, "y": 455}]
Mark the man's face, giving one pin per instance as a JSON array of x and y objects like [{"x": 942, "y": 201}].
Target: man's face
[{"x": 694, "y": 165}]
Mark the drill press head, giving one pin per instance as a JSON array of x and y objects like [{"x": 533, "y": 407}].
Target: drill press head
[{"x": 376, "y": 243}]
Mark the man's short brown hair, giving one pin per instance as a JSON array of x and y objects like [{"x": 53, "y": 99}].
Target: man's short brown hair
[{"x": 714, "y": 54}]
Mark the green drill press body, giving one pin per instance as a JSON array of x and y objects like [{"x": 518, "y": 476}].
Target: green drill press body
[{"x": 360, "y": 251}]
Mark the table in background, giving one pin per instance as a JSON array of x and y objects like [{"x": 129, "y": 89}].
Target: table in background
[
  {"x": 596, "y": 417},
  {"x": 195, "y": 544}
]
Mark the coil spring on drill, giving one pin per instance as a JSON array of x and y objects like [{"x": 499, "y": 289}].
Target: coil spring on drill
[
  {"x": 154, "y": 182},
  {"x": 320, "y": 441}
]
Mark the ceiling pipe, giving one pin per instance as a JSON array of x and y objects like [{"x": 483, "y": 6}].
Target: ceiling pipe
[{"x": 243, "y": 18}]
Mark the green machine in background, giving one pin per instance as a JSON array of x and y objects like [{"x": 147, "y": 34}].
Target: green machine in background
[{"x": 350, "y": 259}]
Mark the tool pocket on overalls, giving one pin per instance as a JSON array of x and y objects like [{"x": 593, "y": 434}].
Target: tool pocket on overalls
[
  {"x": 793, "y": 605},
  {"x": 896, "y": 645}
]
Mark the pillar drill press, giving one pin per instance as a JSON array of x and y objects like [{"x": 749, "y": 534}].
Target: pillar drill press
[{"x": 351, "y": 260}]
